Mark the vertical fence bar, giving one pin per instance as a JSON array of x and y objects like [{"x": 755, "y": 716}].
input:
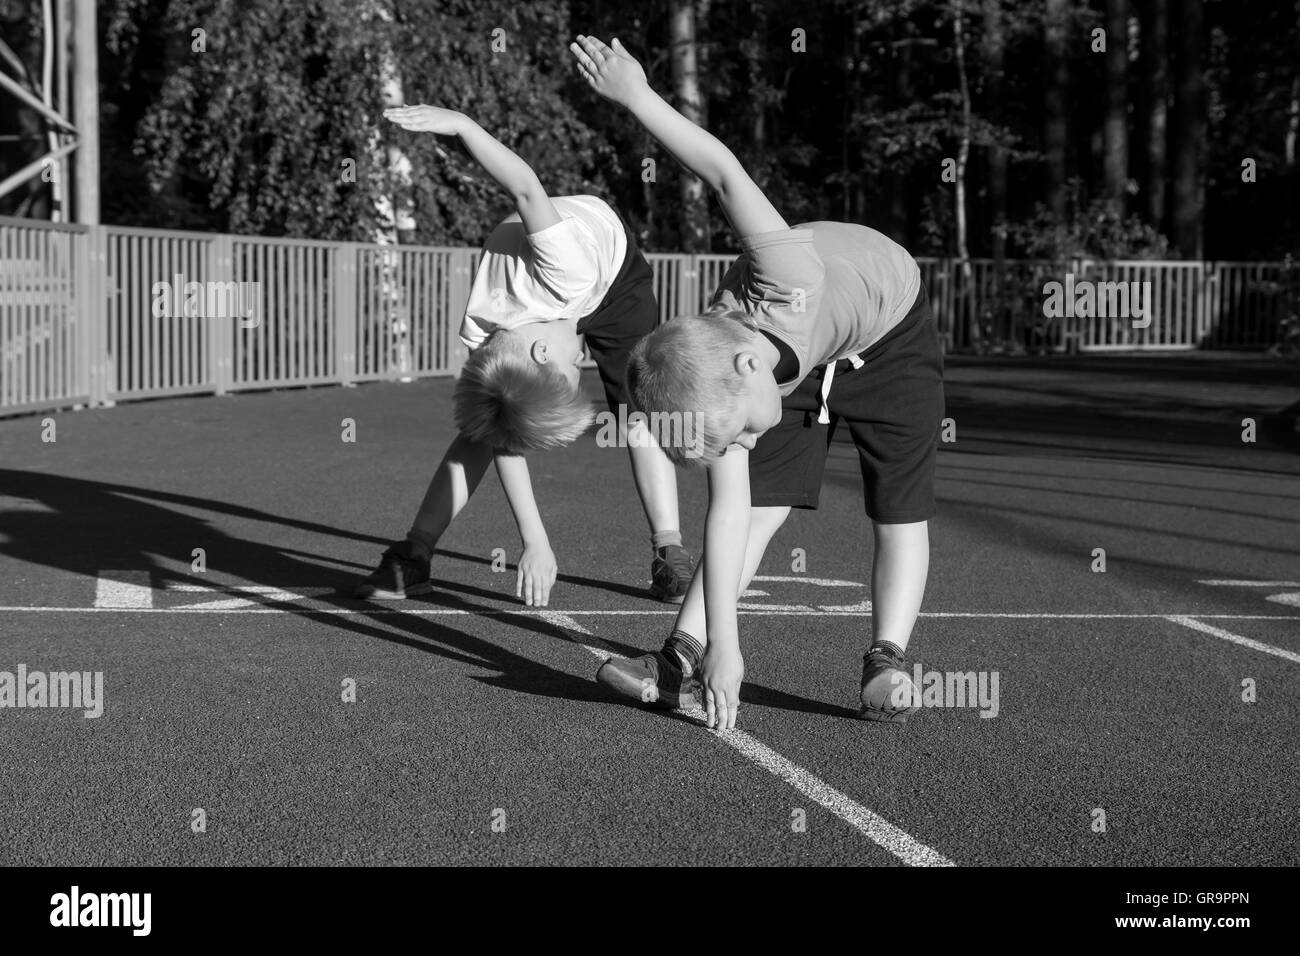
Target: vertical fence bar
[
  {"x": 220, "y": 268},
  {"x": 343, "y": 312}
]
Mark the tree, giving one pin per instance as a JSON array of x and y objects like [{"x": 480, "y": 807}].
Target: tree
[
  {"x": 1056, "y": 128},
  {"x": 686, "y": 87},
  {"x": 1155, "y": 83},
  {"x": 1189, "y": 132},
  {"x": 1116, "y": 125}
]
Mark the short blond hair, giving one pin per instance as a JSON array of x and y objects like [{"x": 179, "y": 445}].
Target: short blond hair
[
  {"x": 506, "y": 400},
  {"x": 686, "y": 367}
]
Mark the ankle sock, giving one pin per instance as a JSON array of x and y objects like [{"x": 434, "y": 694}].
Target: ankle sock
[
  {"x": 664, "y": 539},
  {"x": 687, "y": 649},
  {"x": 889, "y": 648}
]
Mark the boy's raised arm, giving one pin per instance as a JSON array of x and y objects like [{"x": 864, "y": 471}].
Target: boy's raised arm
[
  {"x": 615, "y": 75},
  {"x": 510, "y": 172}
]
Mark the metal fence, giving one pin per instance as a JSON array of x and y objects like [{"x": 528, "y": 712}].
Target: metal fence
[{"x": 100, "y": 314}]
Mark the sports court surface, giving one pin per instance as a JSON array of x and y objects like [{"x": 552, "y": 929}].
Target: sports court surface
[{"x": 478, "y": 734}]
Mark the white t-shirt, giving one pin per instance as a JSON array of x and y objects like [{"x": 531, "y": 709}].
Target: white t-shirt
[{"x": 562, "y": 272}]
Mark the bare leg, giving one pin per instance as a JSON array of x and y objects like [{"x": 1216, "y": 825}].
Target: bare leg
[
  {"x": 656, "y": 480},
  {"x": 459, "y": 473},
  {"x": 763, "y": 523},
  {"x": 898, "y": 575}
]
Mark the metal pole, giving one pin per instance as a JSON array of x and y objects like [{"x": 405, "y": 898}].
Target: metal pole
[{"x": 85, "y": 104}]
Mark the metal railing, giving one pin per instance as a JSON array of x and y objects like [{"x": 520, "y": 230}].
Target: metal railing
[{"x": 101, "y": 314}]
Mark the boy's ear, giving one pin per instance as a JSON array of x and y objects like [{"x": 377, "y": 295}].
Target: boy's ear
[
  {"x": 746, "y": 363},
  {"x": 538, "y": 351}
]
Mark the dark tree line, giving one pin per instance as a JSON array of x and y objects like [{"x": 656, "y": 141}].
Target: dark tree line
[{"x": 1053, "y": 127}]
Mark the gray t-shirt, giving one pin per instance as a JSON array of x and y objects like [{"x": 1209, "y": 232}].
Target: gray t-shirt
[{"x": 827, "y": 289}]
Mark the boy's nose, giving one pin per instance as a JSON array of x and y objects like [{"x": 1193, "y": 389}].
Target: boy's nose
[{"x": 747, "y": 441}]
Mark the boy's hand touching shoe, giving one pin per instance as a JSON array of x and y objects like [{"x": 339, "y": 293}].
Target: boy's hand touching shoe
[{"x": 721, "y": 673}]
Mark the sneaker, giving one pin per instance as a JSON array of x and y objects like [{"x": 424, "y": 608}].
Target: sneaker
[
  {"x": 670, "y": 573},
  {"x": 888, "y": 693},
  {"x": 403, "y": 572},
  {"x": 651, "y": 679}
]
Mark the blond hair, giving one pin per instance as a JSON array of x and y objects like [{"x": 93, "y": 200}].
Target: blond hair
[
  {"x": 506, "y": 400},
  {"x": 686, "y": 366}
]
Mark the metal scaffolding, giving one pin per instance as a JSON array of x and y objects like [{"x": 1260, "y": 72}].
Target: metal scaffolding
[{"x": 65, "y": 96}]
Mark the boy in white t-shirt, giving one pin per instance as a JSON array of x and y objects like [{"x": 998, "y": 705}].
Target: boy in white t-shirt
[{"x": 560, "y": 270}]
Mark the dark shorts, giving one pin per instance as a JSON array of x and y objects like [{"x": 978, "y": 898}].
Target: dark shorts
[
  {"x": 894, "y": 408},
  {"x": 628, "y": 313}
]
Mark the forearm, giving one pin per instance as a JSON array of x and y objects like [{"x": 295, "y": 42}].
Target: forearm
[
  {"x": 726, "y": 538},
  {"x": 509, "y": 171},
  {"x": 695, "y": 148},
  {"x": 518, "y": 486}
]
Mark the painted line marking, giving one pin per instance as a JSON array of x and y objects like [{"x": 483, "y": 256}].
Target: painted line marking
[
  {"x": 871, "y": 825},
  {"x": 1204, "y": 628},
  {"x": 1291, "y": 598},
  {"x": 121, "y": 590},
  {"x": 1251, "y": 584},
  {"x": 820, "y": 582},
  {"x": 765, "y": 609}
]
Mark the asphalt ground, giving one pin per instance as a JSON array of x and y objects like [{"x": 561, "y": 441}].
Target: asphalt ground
[{"x": 478, "y": 734}]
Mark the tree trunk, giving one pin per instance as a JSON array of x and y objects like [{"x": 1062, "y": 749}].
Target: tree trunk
[
  {"x": 686, "y": 85},
  {"x": 1189, "y": 132},
  {"x": 1116, "y": 160},
  {"x": 995, "y": 87},
  {"x": 973, "y": 318},
  {"x": 895, "y": 180},
  {"x": 1155, "y": 81},
  {"x": 1056, "y": 130}
]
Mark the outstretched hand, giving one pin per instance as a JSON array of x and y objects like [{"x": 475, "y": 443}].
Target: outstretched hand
[
  {"x": 427, "y": 119},
  {"x": 610, "y": 70}
]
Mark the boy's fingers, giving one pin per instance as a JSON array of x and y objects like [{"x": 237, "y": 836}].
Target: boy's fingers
[
  {"x": 586, "y": 62},
  {"x": 710, "y": 712},
  {"x": 594, "y": 48}
]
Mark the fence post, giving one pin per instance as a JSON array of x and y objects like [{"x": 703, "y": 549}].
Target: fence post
[
  {"x": 343, "y": 311},
  {"x": 94, "y": 361},
  {"x": 462, "y": 263},
  {"x": 221, "y": 268}
]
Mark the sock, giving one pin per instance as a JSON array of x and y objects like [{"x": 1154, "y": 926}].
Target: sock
[
  {"x": 664, "y": 539},
  {"x": 687, "y": 649},
  {"x": 888, "y": 647},
  {"x": 423, "y": 541}
]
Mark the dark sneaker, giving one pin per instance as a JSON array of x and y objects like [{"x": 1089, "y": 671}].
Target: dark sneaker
[
  {"x": 652, "y": 679},
  {"x": 670, "y": 573},
  {"x": 403, "y": 572},
  {"x": 888, "y": 693}
]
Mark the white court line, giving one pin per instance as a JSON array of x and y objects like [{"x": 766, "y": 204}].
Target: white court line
[
  {"x": 1204, "y": 628},
  {"x": 802, "y": 579},
  {"x": 876, "y": 828},
  {"x": 1252, "y": 584},
  {"x": 754, "y": 609}
]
